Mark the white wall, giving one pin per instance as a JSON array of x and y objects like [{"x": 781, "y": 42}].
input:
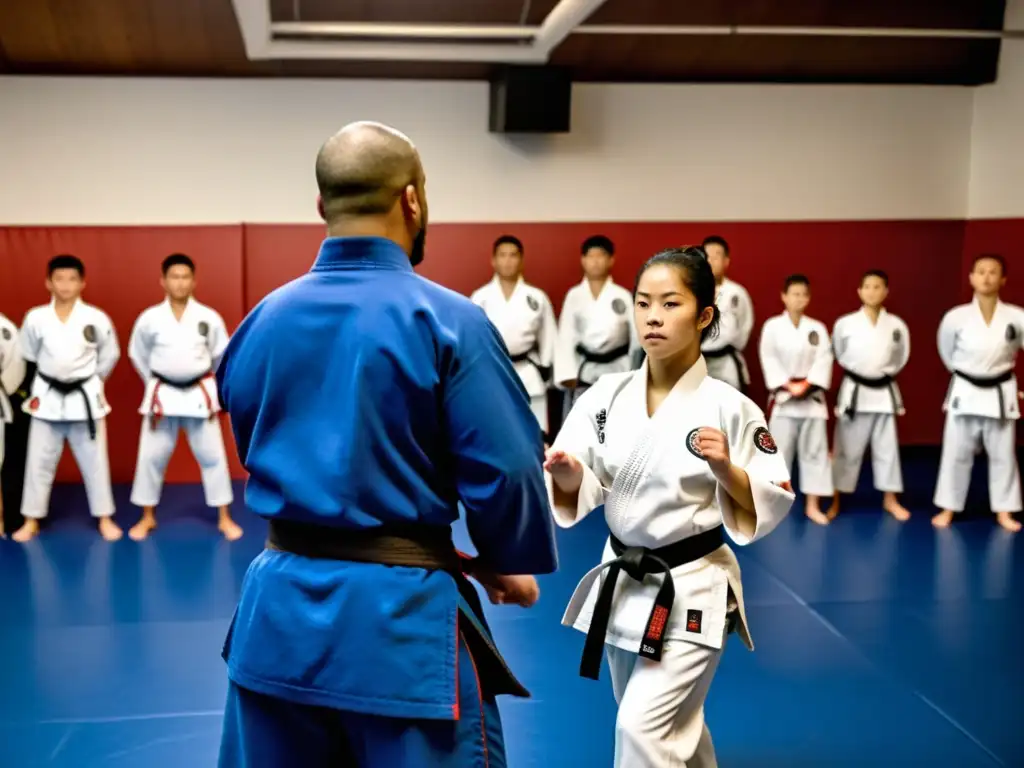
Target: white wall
[
  {"x": 120, "y": 151},
  {"x": 997, "y": 134}
]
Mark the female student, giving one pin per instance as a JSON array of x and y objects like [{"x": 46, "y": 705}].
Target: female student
[{"x": 673, "y": 456}]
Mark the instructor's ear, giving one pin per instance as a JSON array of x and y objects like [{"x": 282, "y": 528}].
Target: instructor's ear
[{"x": 320, "y": 207}]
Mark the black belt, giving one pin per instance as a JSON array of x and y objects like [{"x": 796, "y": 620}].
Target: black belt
[
  {"x": 599, "y": 358},
  {"x": 728, "y": 351},
  {"x": 990, "y": 382},
  {"x": 156, "y": 410},
  {"x": 184, "y": 385},
  {"x": 880, "y": 382},
  {"x": 543, "y": 370},
  {"x": 638, "y": 562},
  {"x": 413, "y": 546},
  {"x": 65, "y": 388}
]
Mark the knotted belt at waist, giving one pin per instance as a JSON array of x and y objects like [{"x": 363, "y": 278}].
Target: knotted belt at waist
[
  {"x": 156, "y": 411},
  {"x": 524, "y": 357},
  {"x": 731, "y": 352},
  {"x": 990, "y": 382},
  {"x": 879, "y": 382},
  {"x": 413, "y": 546},
  {"x": 639, "y": 562},
  {"x": 65, "y": 388},
  {"x": 597, "y": 358}
]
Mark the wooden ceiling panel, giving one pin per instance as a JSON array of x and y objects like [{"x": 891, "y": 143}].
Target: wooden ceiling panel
[
  {"x": 939, "y": 14},
  {"x": 414, "y": 11}
]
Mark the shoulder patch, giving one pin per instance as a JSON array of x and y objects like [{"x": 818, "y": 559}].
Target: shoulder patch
[
  {"x": 7, "y": 334},
  {"x": 204, "y": 328},
  {"x": 813, "y": 338},
  {"x": 89, "y": 332},
  {"x": 532, "y": 303},
  {"x": 764, "y": 442},
  {"x": 1011, "y": 332},
  {"x": 618, "y": 306},
  {"x": 692, "y": 444}
]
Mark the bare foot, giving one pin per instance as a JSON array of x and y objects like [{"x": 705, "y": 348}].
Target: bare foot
[
  {"x": 109, "y": 530},
  {"x": 232, "y": 531},
  {"x": 813, "y": 511},
  {"x": 143, "y": 528},
  {"x": 833, "y": 509},
  {"x": 27, "y": 532},
  {"x": 943, "y": 519},
  {"x": 892, "y": 505},
  {"x": 1008, "y": 522}
]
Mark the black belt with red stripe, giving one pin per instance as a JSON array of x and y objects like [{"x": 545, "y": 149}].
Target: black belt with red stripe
[
  {"x": 156, "y": 412},
  {"x": 639, "y": 562},
  {"x": 990, "y": 382}
]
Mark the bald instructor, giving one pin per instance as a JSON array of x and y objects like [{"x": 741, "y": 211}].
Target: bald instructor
[{"x": 367, "y": 402}]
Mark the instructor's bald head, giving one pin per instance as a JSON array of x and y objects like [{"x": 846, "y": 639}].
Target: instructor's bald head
[{"x": 364, "y": 169}]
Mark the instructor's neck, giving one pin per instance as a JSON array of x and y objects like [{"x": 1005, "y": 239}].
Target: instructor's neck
[{"x": 665, "y": 373}]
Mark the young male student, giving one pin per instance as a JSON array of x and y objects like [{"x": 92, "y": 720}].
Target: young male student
[
  {"x": 596, "y": 330},
  {"x": 872, "y": 346},
  {"x": 75, "y": 348},
  {"x": 978, "y": 343},
  {"x": 796, "y": 358},
  {"x": 523, "y": 315},
  {"x": 724, "y": 350},
  {"x": 176, "y": 347}
]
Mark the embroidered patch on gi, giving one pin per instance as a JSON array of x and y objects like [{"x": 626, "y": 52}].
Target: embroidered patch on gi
[
  {"x": 601, "y": 418},
  {"x": 204, "y": 329},
  {"x": 532, "y": 303},
  {"x": 693, "y": 443},
  {"x": 764, "y": 441},
  {"x": 619, "y": 306},
  {"x": 813, "y": 338},
  {"x": 956, "y": 403},
  {"x": 694, "y": 619},
  {"x": 735, "y": 301},
  {"x": 1011, "y": 332},
  {"x": 7, "y": 334},
  {"x": 34, "y": 404},
  {"x": 897, "y": 336},
  {"x": 90, "y": 333}
]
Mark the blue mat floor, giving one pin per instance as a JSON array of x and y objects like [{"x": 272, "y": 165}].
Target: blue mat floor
[{"x": 878, "y": 644}]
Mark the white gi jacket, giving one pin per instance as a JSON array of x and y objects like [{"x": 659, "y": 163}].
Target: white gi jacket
[
  {"x": 871, "y": 351},
  {"x": 526, "y": 323},
  {"x": 12, "y": 368},
  {"x": 600, "y": 325},
  {"x": 798, "y": 352},
  {"x": 85, "y": 348},
  {"x": 735, "y": 325},
  {"x": 967, "y": 344},
  {"x": 657, "y": 490},
  {"x": 180, "y": 351}
]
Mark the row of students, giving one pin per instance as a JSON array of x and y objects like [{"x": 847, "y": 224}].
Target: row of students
[{"x": 175, "y": 348}]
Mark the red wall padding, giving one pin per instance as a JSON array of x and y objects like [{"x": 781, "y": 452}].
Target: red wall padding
[
  {"x": 238, "y": 265},
  {"x": 122, "y": 277}
]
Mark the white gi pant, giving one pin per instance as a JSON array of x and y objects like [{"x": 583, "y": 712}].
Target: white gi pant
[
  {"x": 961, "y": 438},
  {"x": 156, "y": 445},
  {"x": 660, "y": 722},
  {"x": 851, "y": 440},
  {"x": 806, "y": 440},
  {"x": 45, "y": 447}
]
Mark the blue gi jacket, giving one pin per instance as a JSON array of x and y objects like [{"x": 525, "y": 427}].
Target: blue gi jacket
[{"x": 362, "y": 394}]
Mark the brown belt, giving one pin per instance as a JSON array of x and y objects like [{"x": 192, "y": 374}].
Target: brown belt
[{"x": 429, "y": 547}]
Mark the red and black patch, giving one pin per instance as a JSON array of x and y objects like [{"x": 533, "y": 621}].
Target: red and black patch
[
  {"x": 693, "y": 443},
  {"x": 813, "y": 338},
  {"x": 764, "y": 442},
  {"x": 33, "y": 404},
  {"x": 694, "y": 619}
]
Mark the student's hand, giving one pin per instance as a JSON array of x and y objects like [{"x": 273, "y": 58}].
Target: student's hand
[
  {"x": 508, "y": 590},
  {"x": 565, "y": 470},
  {"x": 798, "y": 388},
  {"x": 714, "y": 447}
]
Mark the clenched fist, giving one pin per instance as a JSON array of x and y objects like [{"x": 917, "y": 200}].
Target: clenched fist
[{"x": 714, "y": 447}]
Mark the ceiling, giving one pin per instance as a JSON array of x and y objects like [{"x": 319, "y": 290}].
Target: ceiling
[{"x": 790, "y": 41}]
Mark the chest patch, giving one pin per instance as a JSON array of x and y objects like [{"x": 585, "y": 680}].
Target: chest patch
[
  {"x": 813, "y": 338},
  {"x": 204, "y": 328},
  {"x": 764, "y": 442},
  {"x": 532, "y": 303},
  {"x": 693, "y": 443},
  {"x": 89, "y": 332},
  {"x": 618, "y": 306},
  {"x": 7, "y": 334},
  {"x": 1011, "y": 332},
  {"x": 601, "y": 419},
  {"x": 735, "y": 302},
  {"x": 897, "y": 336}
]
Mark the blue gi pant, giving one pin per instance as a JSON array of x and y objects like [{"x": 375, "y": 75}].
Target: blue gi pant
[{"x": 266, "y": 732}]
